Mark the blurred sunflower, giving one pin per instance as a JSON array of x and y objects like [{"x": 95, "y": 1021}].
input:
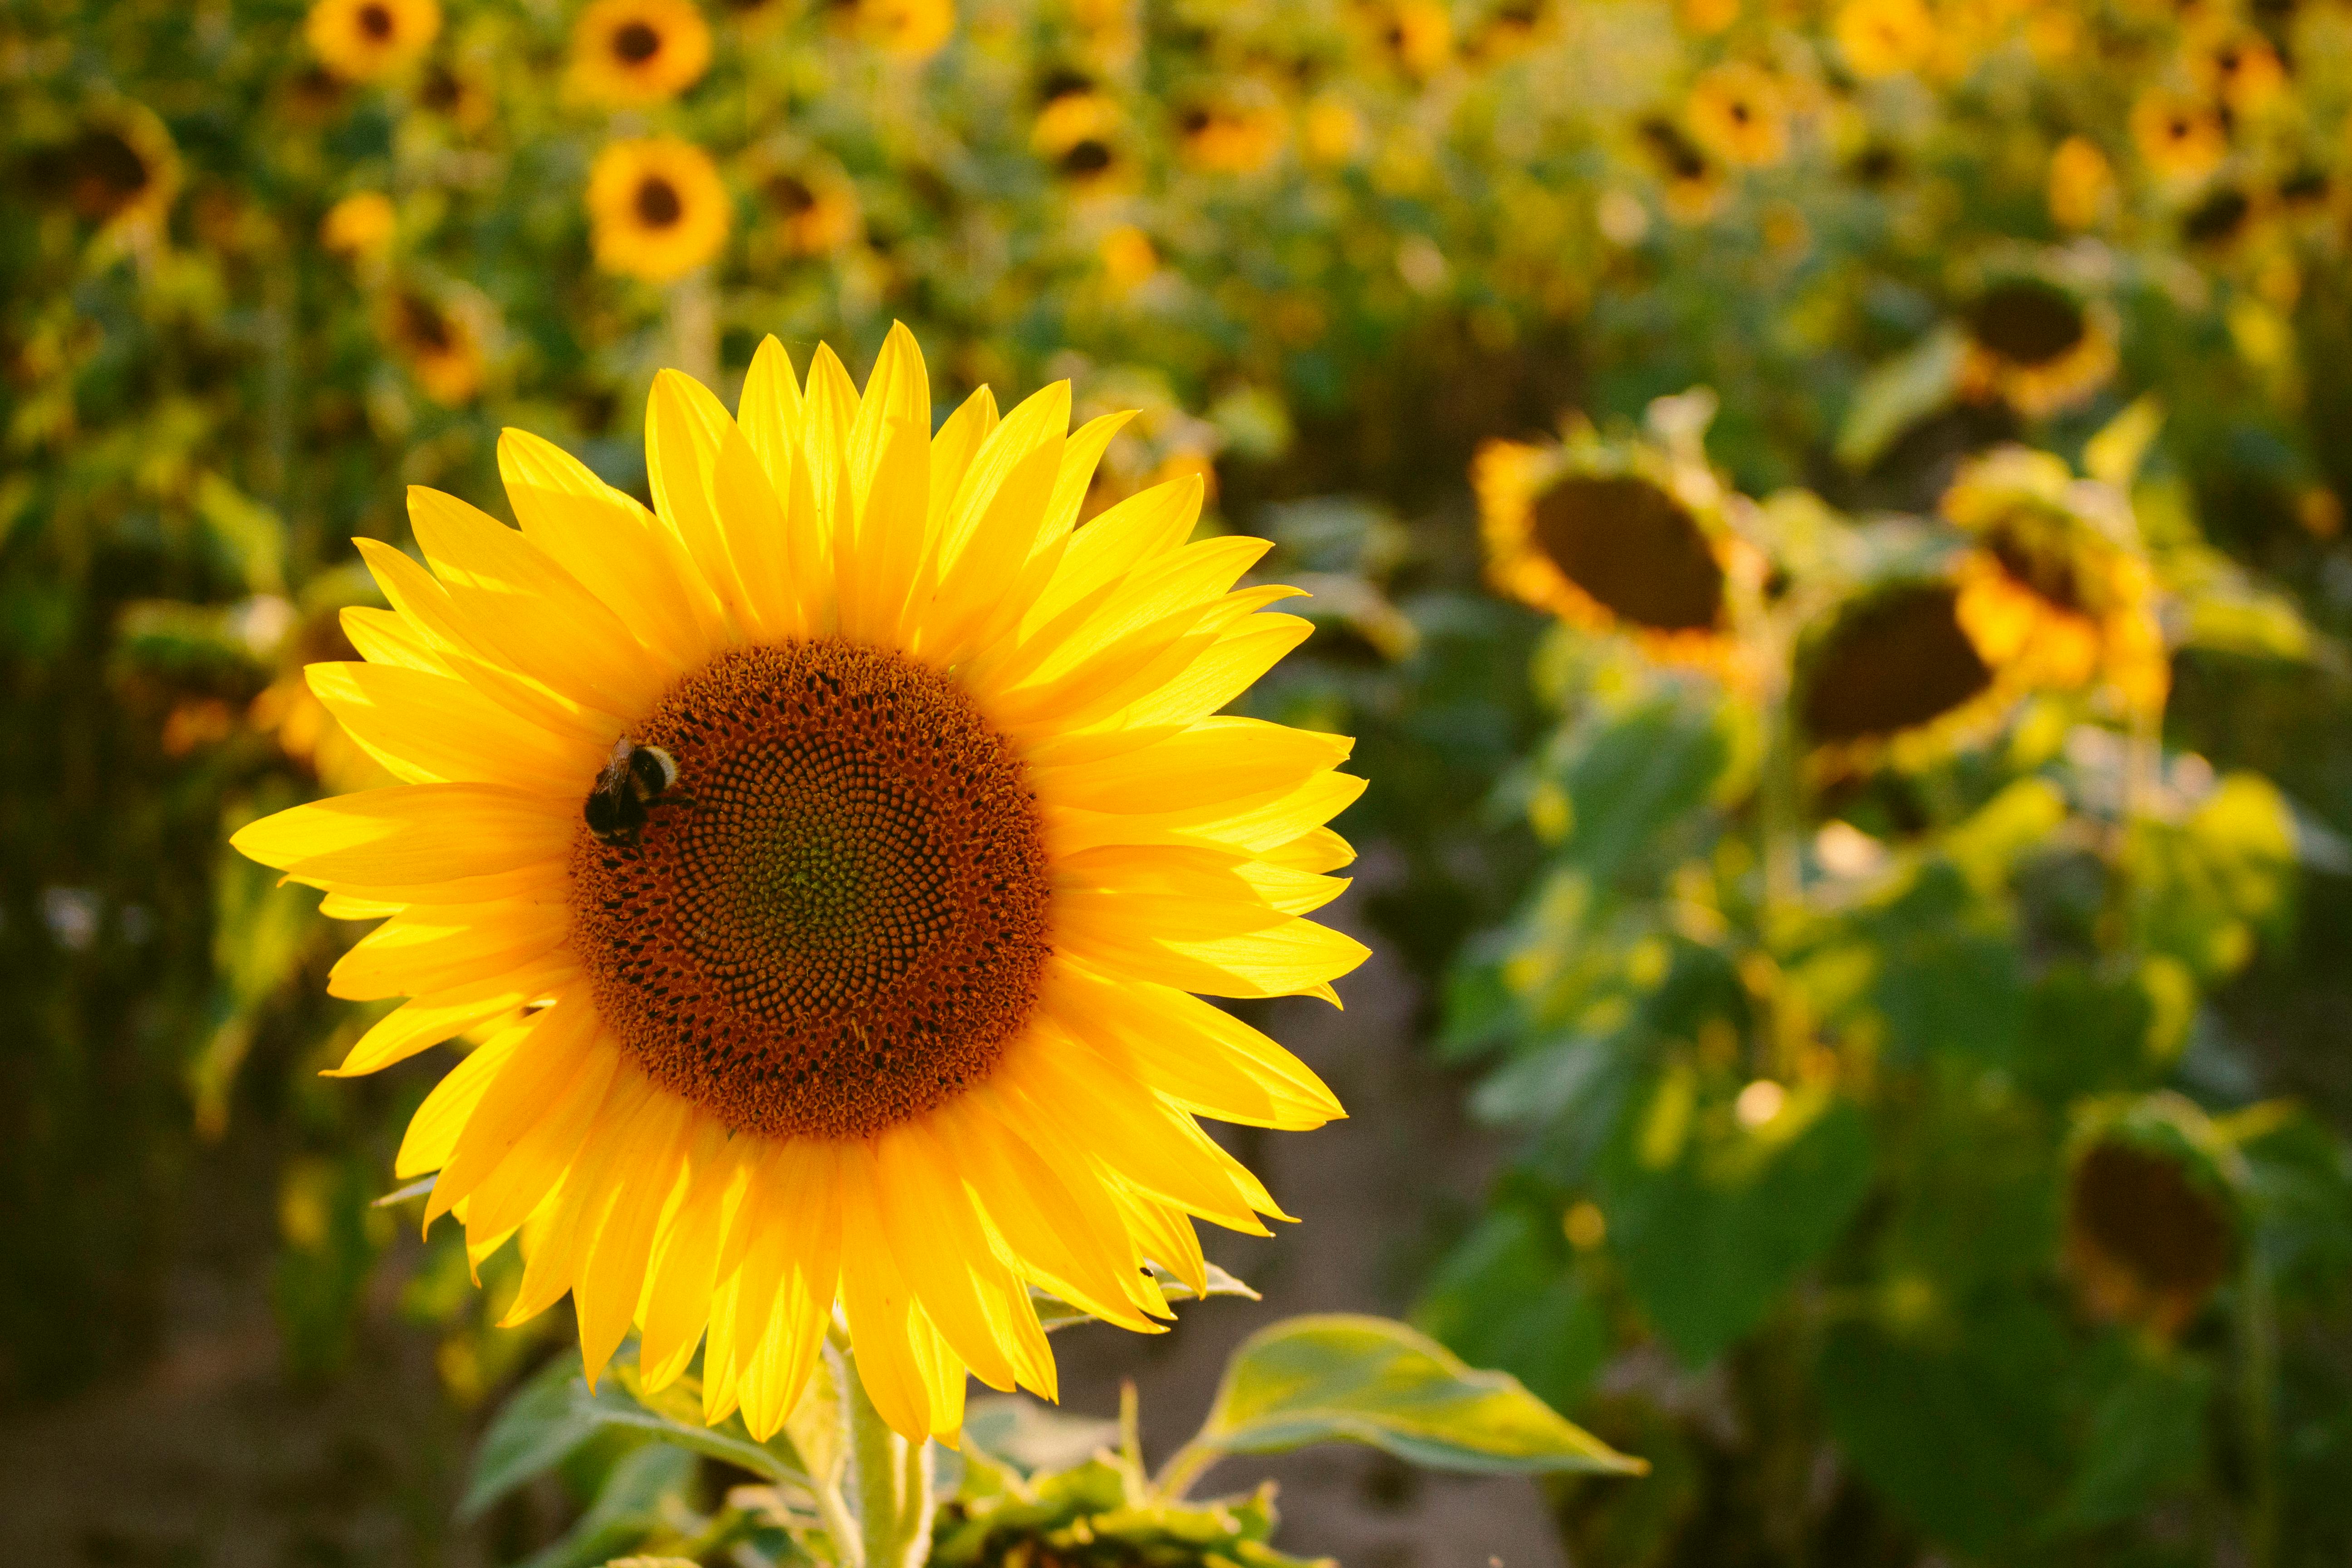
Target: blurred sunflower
[
  {"x": 912, "y": 29},
  {"x": 1894, "y": 675},
  {"x": 1606, "y": 536},
  {"x": 1238, "y": 132},
  {"x": 1884, "y": 38},
  {"x": 1331, "y": 130},
  {"x": 1078, "y": 131},
  {"x": 2151, "y": 1229},
  {"x": 1739, "y": 112},
  {"x": 1417, "y": 36},
  {"x": 2055, "y": 590},
  {"x": 2180, "y": 139},
  {"x": 361, "y": 227},
  {"x": 813, "y": 210},
  {"x": 858, "y": 832},
  {"x": 626, "y": 53},
  {"x": 456, "y": 96},
  {"x": 363, "y": 40},
  {"x": 1705, "y": 18},
  {"x": 1510, "y": 29},
  {"x": 441, "y": 341},
  {"x": 2081, "y": 184},
  {"x": 120, "y": 173},
  {"x": 2221, "y": 218},
  {"x": 2037, "y": 344},
  {"x": 656, "y": 208},
  {"x": 1694, "y": 182},
  {"x": 2236, "y": 67},
  {"x": 1128, "y": 258}
]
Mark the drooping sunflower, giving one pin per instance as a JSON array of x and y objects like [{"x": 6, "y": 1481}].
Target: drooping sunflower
[
  {"x": 1739, "y": 112},
  {"x": 1607, "y": 535},
  {"x": 441, "y": 340},
  {"x": 1884, "y": 38},
  {"x": 2152, "y": 1219},
  {"x": 2056, "y": 590},
  {"x": 656, "y": 208},
  {"x": 626, "y": 53},
  {"x": 2179, "y": 137},
  {"x": 2037, "y": 344},
  {"x": 856, "y": 835},
  {"x": 121, "y": 173},
  {"x": 363, "y": 40},
  {"x": 1894, "y": 675}
]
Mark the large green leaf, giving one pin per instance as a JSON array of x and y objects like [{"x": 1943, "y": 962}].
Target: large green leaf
[
  {"x": 1510, "y": 1298},
  {"x": 556, "y": 1412},
  {"x": 1343, "y": 1378},
  {"x": 628, "y": 1508}
]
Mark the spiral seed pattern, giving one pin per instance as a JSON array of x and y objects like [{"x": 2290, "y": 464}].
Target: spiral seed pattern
[{"x": 836, "y": 918}]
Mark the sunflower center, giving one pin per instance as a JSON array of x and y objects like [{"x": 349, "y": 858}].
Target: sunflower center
[
  {"x": 836, "y": 919},
  {"x": 1899, "y": 661},
  {"x": 1633, "y": 547},
  {"x": 1087, "y": 157},
  {"x": 108, "y": 172},
  {"x": 637, "y": 42},
  {"x": 658, "y": 205},
  {"x": 2027, "y": 323},
  {"x": 2039, "y": 564},
  {"x": 2141, "y": 1211},
  {"x": 376, "y": 22}
]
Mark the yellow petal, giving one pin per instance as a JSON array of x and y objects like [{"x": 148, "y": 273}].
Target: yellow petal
[
  {"x": 411, "y": 832},
  {"x": 683, "y": 427},
  {"x": 428, "y": 1020},
  {"x": 897, "y": 392},
  {"x": 1218, "y": 759},
  {"x": 430, "y": 728},
  {"x": 769, "y": 412},
  {"x": 645, "y": 1175},
  {"x": 432, "y": 1131},
  {"x": 437, "y": 948}
]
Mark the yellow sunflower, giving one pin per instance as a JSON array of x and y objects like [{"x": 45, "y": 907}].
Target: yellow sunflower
[
  {"x": 2055, "y": 590},
  {"x": 857, "y": 833},
  {"x": 1078, "y": 131},
  {"x": 362, "y": 40},
  {"x": 1331, "y": 130},
  {"x": 1739, "y": 112},
  {"x": 813, "y": 210},
  {"x": 2179, "y": 138},
  {"x": 1239, "y": 132},
  {"x": 1894, "y": 675},
  {"x": 121, "y": 173},
  {"x": 2037, "y": 346},
  {"x": 440, "y": 341},
  {"x": 1694, "y": 182},
  {"x": 1884, "y": 38},
  {"x": 656, "y": 208},
  {"x": 361, "y": 227},
  {"x": 1610, "y": 537},
  {"x": 1417, "y": 34},
  {"x": 911, "y": 29},
  {"x": 626, "y": 53},
  {"x": 2081, "y": 184},
  {"x": 2238, "y": 67}
]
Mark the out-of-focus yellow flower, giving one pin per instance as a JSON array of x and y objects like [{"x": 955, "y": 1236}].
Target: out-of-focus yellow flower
[
  {"x": 1893, "y": 676},
  {"x": 1705, "y": 18},
  {"x": 658, "y": 209},
  {"x": 1332, "y": 133},
  {"x": 2037, "y": 346},
  {"x": 2057, "y": 589},
  {"x": 1078, "y": 132},
  {"x": 1418, "y": 35},
  {"x": 2225, "y": 216},
  {"x": 360, "y": 228},
  {"x": 363, "y": 40},
  {"x": 2238, "y": 67},
  {"x": 1510, "y": 29},
  {"x": 814, "y": 210},
  {"x": 121, "y": 173},
  {"x": 2081, "y": 184},
  {"x": 912, "y": 29},
  {"x": 1239, "y": 133},
  {"x": 1608, "y": 536},
  {"x": 1694, "y": 182},
  {"x": 440, "y": 341},
  {"x": 629, "y": 53},
  {"x": 2179, "y": 138},
  {"x": 1739, "y": 112},
  {"x": 1128, "y": 257},
  {"x": 1884, "y": 38}
]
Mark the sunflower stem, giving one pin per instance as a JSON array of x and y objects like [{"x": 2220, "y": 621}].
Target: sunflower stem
[{"x": 892, "y": 1481}]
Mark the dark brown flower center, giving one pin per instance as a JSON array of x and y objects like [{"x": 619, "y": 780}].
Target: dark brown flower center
[
  {"x": 2140, "y": 1213},
  {"x": 103, "y": 174},
  {"x": 636, "y": 42},
  {"x": 2027, "y": 323},
  {"x": 658, "y": 205},
  {"x": 1633, "y": 549},
  {"x": 2035, "y": 557},
  {"x": 376, "y": 22},
  {"x": 1899, "y": 660},
  {"x": 424, "y": 326},
  {"x": 837, "y": 917}
]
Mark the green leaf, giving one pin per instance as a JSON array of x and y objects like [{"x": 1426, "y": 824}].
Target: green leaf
[
  {"x": 1713, "y": 1220},
  {"x": 1632, "y": 777},
  {"x": 1509, "y": 1297},
  {"x": 555, "y": 1413},
  {"x": 1342, "y": 1378},
  {"x": 1056, "y": 1313},
  {"x": 1899, "y": 394},
  {"x": 1031, "y": 1437},
  {"x": 628, "y": 1508}
]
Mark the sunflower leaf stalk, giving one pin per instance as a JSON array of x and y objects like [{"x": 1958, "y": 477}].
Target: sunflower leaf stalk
[{"x": 891, "y": 1480}]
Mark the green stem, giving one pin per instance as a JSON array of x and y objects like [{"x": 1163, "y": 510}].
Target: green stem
[
  {"x": 892, "y": 1480},
  {"x": 1183, "y": 1468},
  {"x": 2258, "y": 1327}
]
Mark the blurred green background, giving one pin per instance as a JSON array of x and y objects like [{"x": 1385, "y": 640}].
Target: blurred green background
[{"x": 1861, "y": 782}]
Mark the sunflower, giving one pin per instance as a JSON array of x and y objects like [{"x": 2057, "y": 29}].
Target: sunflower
[
  {"x": 657, "y": 207},
  {"x": 2220, "y": 220},
  {"x": 2179, "y": 138},
  {"x": 2151, "y": 1227},
  {"x": 361, "y": 227},
  {"x": 440, "y": 341},
  {"x": 814, "y": 210},
  {"x": 2082, "y": 183},
  {"x": 1078, "y": 131},
  {"x": 1894, "y": 675},
  {"x": 2055, "y": 591},
  {"x": 121, "y": 174},
  {"x": 626, "y": 53},
  {"x": 2239, "y": 67},
  {"x": 362, "y": 40},
  {"x": 1884, "y": 38},
  {"x": 1694, "y": 182},
  {"x": 1417, "y": 34},
  {"x": 911, "y": 29},
  {"x": 1610, "y": 537},
  {"x": 1239, "y": 132},
  {"x": 458, "y": 97},
  {"x": 916, "y": 828},
  {"x": 2037, "y": 346},
  {"x": 1739, "y": 112}
]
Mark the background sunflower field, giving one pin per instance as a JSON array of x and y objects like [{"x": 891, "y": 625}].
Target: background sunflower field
[{"x": 1826, "y": 518}]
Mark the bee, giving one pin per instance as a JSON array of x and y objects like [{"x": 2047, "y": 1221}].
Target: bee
[{"x": 635, "y": 779}]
